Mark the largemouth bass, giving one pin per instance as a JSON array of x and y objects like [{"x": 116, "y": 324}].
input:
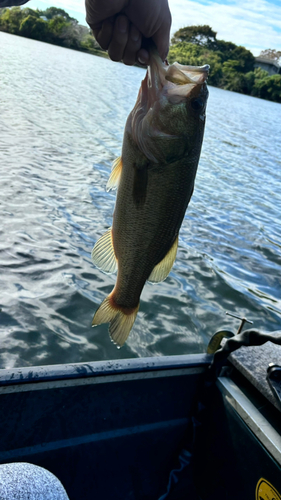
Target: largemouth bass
[{"x": 155, "y": 178}]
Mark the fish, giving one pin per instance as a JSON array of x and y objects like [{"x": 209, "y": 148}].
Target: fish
[{"x": 154, "y": 178}]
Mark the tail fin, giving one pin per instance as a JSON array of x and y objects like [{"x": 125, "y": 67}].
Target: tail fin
[{"x": 121, "y": 319}]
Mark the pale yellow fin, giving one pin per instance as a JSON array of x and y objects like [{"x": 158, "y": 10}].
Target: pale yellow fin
[
  {"x": 115, "y": 175},
  {"x": 103, "y": 254},
  {"x": 121, "y": 320},
  {"x": 161, "y": 270}
]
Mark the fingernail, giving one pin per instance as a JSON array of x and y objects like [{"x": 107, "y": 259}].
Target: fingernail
[
  {"x": 122, "y": 24},
  {"x": 141, "y": 60},
  {"x": 143, "y": 56}
]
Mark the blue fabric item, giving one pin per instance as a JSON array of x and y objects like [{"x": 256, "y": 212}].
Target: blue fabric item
[
  {"x": 11, "y": 3},
  {"x": 23, "y": 481},
  {"x": 185, "y": 460}
]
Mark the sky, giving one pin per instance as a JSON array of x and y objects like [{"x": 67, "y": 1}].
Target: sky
[{"x": 255, "y": 24}]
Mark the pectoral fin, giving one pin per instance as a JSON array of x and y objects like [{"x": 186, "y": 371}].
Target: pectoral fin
[
  {"x": 103, "y": 254},
  {"x": 115, "y": 175},
  {"x": 161, "y": 270}
]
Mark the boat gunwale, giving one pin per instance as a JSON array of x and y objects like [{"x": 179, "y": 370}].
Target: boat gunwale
[{"x": 44, "y": 373}]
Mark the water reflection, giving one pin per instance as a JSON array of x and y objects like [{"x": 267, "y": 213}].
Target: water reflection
[{"x": 62, "y": 118}]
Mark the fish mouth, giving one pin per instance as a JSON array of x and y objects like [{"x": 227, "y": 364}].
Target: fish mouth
[
  {"x": 162, "y": 85},
  {"x": 177, "y": 81}
]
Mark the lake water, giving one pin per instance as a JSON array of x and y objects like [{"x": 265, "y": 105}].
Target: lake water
[{"x": 62, "y": 115}]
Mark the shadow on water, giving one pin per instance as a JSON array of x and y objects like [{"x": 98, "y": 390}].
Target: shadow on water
[{"x": 57, "y": 143}]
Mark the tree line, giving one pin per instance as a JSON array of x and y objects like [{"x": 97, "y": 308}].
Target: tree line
[
  {"x": 52, "y": 25},
  {"x": 231, "y": 66}
]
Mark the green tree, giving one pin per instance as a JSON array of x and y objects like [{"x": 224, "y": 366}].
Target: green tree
[
  {"x": 71, "y": 36},
  {"x": 57, "y": 25},
  {"x": 11, "y": 19},
  {"x": 268, "y": 87},
  {"x": 36, "y": 28},
  {"x": 232, "y": 78},
  {"x": 185, "y": 53},
  {"x": 29, "y": 12},
  {"x": 230, "y": 51},
  {"x": 194, "y": 55},
  {"x": 89, "y": 44},
  {"x": 52, "y": 12},
  {"x": 225, "y": 49},
  {"x": 205, "y": 36},
  {"x": 252, "y": 76},
  {"x": 214, "y": 60},
  {"x": 67, "y": 33},
  {"x": 202, "y": 35},
  {"x": 274, "y": 88}
]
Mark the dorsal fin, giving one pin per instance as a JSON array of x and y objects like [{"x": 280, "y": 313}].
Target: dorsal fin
[
  {"x": 161, "y": 270},
  {"x": 115, "y": 175},
  {"x": 103, "y": 254}
]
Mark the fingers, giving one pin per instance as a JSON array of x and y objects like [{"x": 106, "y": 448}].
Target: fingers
[
  {"x": 133, "y": 46},
  {"x": 120, "y": 26},
  {"x": 143, "y": 57},
  {"x": 119, "y": 38},
  {"x": 153, "y": 19},
  {"x": 103, "y": 34},
  {"x": 99, "y": 10}
]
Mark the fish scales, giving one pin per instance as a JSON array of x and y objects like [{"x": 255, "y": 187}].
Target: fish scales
[
  {"x": 155, "y": 177},
  {"x": 160, "y": 225}
]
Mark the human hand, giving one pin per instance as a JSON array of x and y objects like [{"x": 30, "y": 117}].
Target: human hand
[{"x": 121, "y": 27}]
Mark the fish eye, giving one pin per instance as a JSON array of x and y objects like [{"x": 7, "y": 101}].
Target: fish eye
[{"x": 197, "y": 103}]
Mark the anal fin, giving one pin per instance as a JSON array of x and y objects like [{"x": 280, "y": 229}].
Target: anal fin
[
  {"x": 161, "y": 270},
  {"x": 115, "y": 175},
  {"x": 103, "y": 254}
]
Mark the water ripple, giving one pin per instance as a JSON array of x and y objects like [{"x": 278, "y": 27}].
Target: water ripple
[{"x": 62, "y": 116}]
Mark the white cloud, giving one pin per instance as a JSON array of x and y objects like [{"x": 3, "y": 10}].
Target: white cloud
[
  {"x": 77, "y": 6},
  {"x": 249, "y": 23}
]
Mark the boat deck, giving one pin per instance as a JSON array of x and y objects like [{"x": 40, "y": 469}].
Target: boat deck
[{"x": 252, "y": 362}]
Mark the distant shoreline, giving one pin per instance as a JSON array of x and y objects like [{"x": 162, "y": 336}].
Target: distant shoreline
[
  {"x": 53, "y": 26},
  {"x": 232, "y": 67},
  {"x": 99, "y": 53}
]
